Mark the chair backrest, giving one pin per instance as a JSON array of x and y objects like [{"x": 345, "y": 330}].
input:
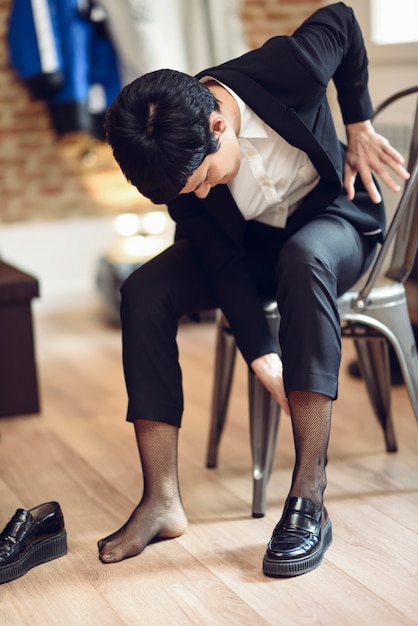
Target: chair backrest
[{"x": 403, "y": 229}]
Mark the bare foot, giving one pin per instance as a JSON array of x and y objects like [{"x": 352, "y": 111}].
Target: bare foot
[{"x": 147, "y": 523}]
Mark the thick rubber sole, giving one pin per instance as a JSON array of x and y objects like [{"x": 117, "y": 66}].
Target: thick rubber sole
[
  {"x": 286, "y": 568},
  {"x": 42, "y": 552}
]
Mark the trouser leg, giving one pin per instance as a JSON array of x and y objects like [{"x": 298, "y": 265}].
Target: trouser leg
[
  {"x": 316, "y": 265},
  {"x": 154, "y": 298}
]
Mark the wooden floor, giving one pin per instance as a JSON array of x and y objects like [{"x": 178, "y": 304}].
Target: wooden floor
[{"x": 81, "y": 452}]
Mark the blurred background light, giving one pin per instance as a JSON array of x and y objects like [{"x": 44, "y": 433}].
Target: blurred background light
[
  {"x": 154, "y": 222},
  {"x": 127, "y": 224},
  {"x": 140, "y": 246}
]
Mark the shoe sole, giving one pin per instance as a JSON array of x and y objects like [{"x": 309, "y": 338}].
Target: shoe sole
[
  {"x": 301, "y": 565},
  {"x": 44, "y": 551}
]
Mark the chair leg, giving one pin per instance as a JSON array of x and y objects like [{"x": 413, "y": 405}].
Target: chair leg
[
  {"x": 373, "y": 356},
  {"x": 264, "y": 426},
  {"x": 405, "y": 347},
  {"x": 225, "y": 354},
  {"x": 394, "y": 323},
  {"x": 264, "y": 410}
]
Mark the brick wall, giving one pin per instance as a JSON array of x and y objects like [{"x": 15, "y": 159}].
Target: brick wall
[
  {"x": 266, "y": 18},
  {"x": 43, "y": 178}
]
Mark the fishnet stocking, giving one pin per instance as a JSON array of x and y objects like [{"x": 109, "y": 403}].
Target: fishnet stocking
[
  {"x": 160, "y": 513},
  {"x": 311, "y": 422}
]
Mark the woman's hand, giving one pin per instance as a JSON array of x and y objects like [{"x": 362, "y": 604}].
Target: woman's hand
[
  {"x": 268, "y": 369},
  {"x": 369, "y": 153}
]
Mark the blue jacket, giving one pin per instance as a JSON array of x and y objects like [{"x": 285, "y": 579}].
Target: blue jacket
[{"x": 59, "y": 53}]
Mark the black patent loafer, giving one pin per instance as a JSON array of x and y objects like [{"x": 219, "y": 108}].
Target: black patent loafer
[
  {"x": 31, "y": 538},
  {"x": 299, "y": 540}
]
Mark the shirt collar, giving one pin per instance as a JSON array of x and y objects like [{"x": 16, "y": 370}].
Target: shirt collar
[{"x": 251, "y": 125}]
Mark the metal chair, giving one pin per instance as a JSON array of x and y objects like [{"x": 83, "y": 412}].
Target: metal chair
[{"x": 374, "y": 316}]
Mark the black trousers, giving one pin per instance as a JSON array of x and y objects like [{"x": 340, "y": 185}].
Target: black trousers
[{"x": 306, "y": 273}]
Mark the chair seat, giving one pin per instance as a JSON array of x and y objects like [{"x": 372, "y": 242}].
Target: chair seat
[{"x": 385, "y": 293}]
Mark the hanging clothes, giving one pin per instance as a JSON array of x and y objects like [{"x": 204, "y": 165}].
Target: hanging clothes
[
  {"x": 147, "y": 35},
  {"x": 185, "y": 35},
  {"x": 66, "y": 55},
  {"x": 35, "y": 47},
  {"x": 77, "y": 54},
  {"x": 213, "y": 32}
]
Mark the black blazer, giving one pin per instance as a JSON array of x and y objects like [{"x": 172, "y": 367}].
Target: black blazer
[{"x": 285, "y": 83}]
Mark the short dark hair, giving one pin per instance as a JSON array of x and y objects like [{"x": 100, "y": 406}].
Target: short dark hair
[{"x": 158, "y": 128}]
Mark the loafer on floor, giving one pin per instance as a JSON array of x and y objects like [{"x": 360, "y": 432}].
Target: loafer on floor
[
  {"x": 31, "y": 538},
  {"x": 299, "y": 540}
]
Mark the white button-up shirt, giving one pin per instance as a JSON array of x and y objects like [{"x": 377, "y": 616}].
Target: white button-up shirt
[{"x": 274, "y": 176}]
